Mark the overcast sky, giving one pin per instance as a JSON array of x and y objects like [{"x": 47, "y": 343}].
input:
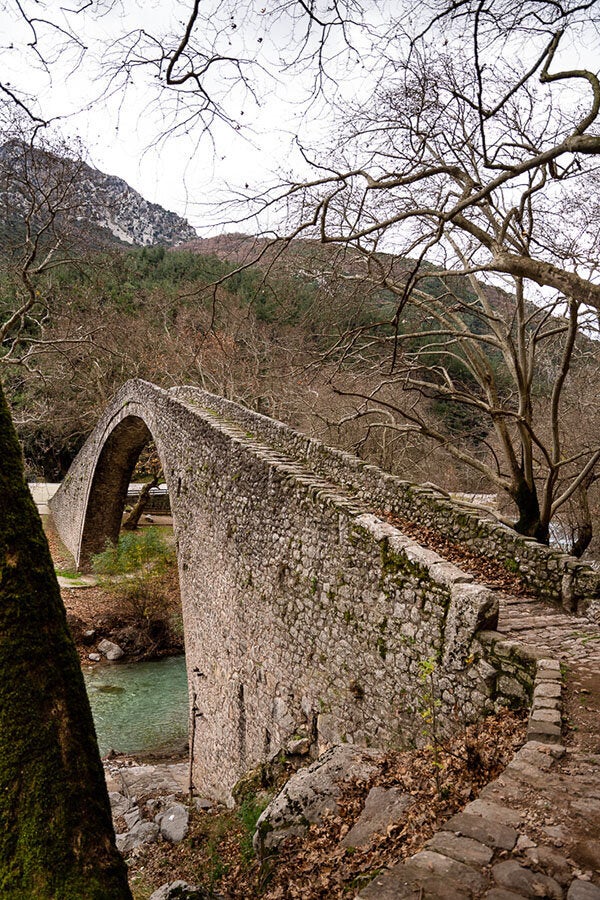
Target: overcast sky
[{"x": 187, "y": 173}]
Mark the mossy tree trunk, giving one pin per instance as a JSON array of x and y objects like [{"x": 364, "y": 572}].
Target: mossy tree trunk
[{"x": 57, "y": 838}]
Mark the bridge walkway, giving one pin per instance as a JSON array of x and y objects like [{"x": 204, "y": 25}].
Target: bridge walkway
[{"x": 535, "y": 831}]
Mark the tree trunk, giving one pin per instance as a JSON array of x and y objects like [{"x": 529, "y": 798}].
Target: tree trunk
[
  {"x": 131, "y": 522},
  {"x": 584, "y": 527},
  {"x": 529, "y": 522},
  {"x": 57, "y": 838}
]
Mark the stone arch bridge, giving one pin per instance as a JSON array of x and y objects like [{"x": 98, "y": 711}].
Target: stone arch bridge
[{"x": 305, "y": 612}]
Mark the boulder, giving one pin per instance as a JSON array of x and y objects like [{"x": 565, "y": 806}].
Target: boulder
[
  {"x": 173, "y": 822},
  {"x": 119, "y": 803},
  {"x": 111, "y": 651},
  {"x": 132, "y": 816},
  {"x": 383, "y": 807},
  {"x": 298, "y": 747},
  {"x": 142, "y": 833},
  {"x": 181, "y": 890},
  {"x": 312, "y": 791}
]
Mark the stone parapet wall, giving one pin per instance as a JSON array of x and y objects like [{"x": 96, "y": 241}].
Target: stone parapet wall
[
  {"x": 552, "y": 574},
  {"x": 515, "y": 666}
]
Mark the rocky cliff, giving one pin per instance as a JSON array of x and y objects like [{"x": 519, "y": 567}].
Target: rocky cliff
[
  {"x": 112, "y": 203},
  {"x": 81, "y": 201}
]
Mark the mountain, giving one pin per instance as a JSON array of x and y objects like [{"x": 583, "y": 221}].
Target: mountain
[
  {"x": 113, "y": 204},
  {"x": 92, "y": 207}
]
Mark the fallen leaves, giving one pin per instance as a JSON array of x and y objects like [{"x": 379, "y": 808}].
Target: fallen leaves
[
  {"x": 316, "y": 866},
  {"x": 490, "y": 572}
]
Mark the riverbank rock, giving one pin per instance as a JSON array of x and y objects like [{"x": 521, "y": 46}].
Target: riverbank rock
[
  {"x": 173, "y": 822},
  {"x": 141, "y": 833},
  {"x": 119, "y": 804},
  {"x": 311, "y": 792},
  {"x": 111, "y": 651},
  {"x": 142, "y": 781}
]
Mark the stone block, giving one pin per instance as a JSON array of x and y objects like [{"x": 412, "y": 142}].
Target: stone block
[
  {"x": 462, "y": 849},
  {"x": 383, "y": 807},
  {"x": 438, "y": 864},
  {"x": 486, "y": 831},
  {"x": 583, "y": 890},
  {"x": 404, "y": 882},
  {"x": 503, "y": 815},
  {"x": 522, "y": 880}
]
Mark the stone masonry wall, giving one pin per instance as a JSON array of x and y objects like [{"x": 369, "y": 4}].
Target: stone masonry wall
[
  {"x": 304, "y": 612},
  {"x": 552, "y": 574}
]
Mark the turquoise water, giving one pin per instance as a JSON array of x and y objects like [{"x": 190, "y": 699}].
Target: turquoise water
[{"x": 140, "y": 707}]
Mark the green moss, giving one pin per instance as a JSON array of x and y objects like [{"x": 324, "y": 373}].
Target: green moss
[
  {"x": 511, "y": 564},
  {"x": 394, "y": 563},
  {"x": 57, "y": 839},
  {"x": 359, "y": 534},
  {"x": 382, "y": 647}
]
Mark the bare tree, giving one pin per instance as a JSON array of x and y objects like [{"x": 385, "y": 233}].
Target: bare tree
[
  {"x": 200, "y": 64},
  {"x": 40, "y": 204},
  {"x": 488, "y": 377},
  {"x": 483, "y": 166}
]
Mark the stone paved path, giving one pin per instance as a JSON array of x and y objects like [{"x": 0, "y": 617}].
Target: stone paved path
[
  {"x": 148, "y": 780},
  {"x": 535, "y": 831}
]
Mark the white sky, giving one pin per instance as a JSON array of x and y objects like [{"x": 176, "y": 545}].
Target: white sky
[{"x": 183, "y": 173}]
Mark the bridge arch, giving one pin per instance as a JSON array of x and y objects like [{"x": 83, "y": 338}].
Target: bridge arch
[
  {"x": 304, "y": 611},
  {"x": 108, "y": 488}
]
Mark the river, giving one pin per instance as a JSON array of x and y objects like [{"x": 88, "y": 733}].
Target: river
[{"x": 140, "y": 708}]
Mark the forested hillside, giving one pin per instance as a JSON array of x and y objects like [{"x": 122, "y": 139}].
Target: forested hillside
[{"x": 422, "y": 385}]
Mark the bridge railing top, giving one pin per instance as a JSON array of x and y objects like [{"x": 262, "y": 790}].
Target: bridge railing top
[{"x": 551, "y": 573}]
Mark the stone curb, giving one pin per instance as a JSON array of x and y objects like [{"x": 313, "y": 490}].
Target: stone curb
[{"x": 545, "y": 717}]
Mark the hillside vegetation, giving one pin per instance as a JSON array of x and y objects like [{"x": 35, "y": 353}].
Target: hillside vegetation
[{"x": 303, "y": 335}]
